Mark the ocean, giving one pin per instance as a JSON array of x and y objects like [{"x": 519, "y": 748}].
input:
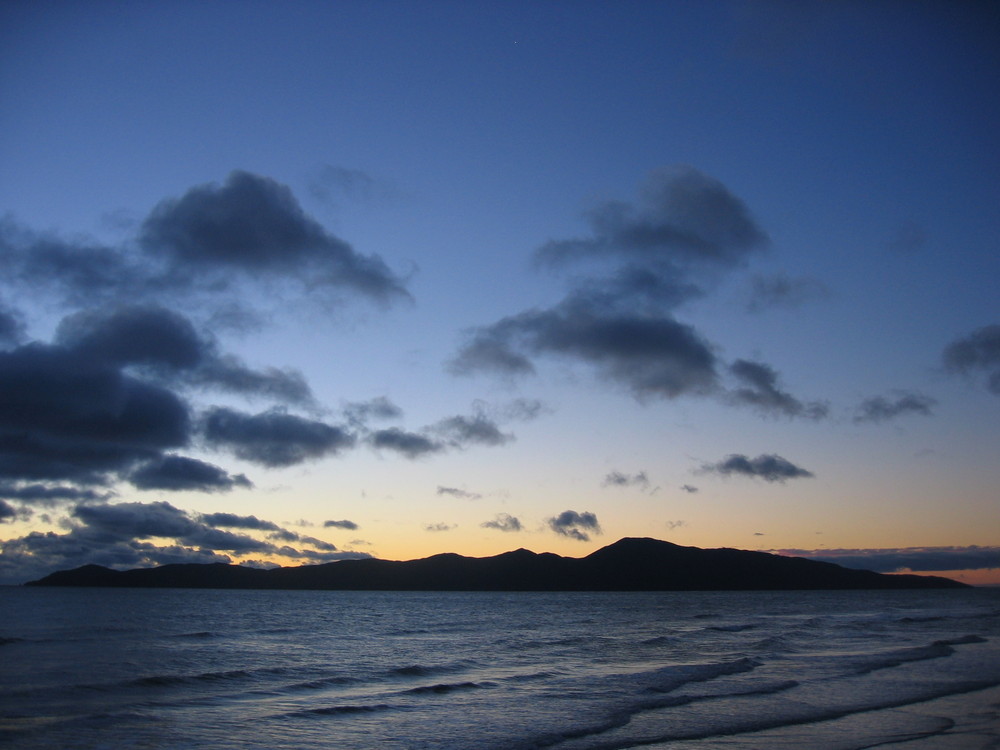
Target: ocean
[{"x": 174, "y": 668}]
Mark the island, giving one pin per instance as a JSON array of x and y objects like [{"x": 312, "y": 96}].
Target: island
[{"x": 630, "y": 564}]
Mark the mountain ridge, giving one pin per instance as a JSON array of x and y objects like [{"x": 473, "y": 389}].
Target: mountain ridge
[{"x": 630, "y": 564}]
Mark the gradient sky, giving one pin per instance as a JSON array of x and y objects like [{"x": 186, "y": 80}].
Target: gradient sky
[{"x": 288, "y": 282}]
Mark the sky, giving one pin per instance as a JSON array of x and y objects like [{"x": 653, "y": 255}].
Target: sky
[{"x": 286, "y": 283}]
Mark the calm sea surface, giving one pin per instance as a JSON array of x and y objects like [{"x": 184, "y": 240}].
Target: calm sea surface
[{"x": 143, "y": 668}]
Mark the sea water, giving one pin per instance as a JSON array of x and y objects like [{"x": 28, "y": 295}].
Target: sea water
[{"x": 174, "y": 668}]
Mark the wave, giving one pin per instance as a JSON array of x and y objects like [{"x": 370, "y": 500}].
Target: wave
[
  {"x": 164, "y": 680},
  {"x": 732, "y": 628},
  {"x": 442, "y": 688},
  {"x": 887, "y": 659},
  {"x": 320, "y": 683},
  {"x": 423, "y": 670},
  {"x": 340, "y": 710}
]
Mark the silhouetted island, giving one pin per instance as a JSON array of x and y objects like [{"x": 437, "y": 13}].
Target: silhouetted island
[{"x": 627, "y": 565}]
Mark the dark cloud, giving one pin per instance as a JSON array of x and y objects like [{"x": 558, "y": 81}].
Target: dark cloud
[
  {"x": 760, "y": 390},
  {"x": 249, "y": 228},
  {"x": 881, "y": 408},
  {"x": 907, "y": 558},
  {"x": 503, "y": 522},
  {"x": 685, "y": 229},
  {"x": 770, "y": 468},
  {"x": 689, "y": 488},
  {"x": 650, "y": 355},
  {"x": 162, "y": 520},
  {"x": 457, "y": 433},
  {"x": 81, "y": 272},
  {"x": 273, "y": 438},
  {"x": 165, "y": 344},
  {"x": 227, "y": 372},
  {"x": 977, "y": 352},
  {"x": 233, "y": 521},
  {"x": 781, "y": 291},
  {"x": 683, "y": 216},
  {"x": 179, "y": 473},
  {"x": 7, "y": 512},
  {"x": 44, "y": 494},
  {"x": 345, "y": 524},
  {"x": 620, "y": 479},
  {"x": 254, "y": 226},
  {"x": 409, "y": 444},
  {"x": 66, "y": 416},
  {"x": 575, "y": 525},
  {"x": 456, "y": 492}
]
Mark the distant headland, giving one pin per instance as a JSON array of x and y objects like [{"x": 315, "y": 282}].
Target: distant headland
[{"x": 630, "y": 564}]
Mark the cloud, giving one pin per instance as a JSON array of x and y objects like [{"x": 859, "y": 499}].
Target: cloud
[
  {"x": 781, "y": 291},
  {"x": 361, "y": 412},
  {"x": 439, "y": 527},
  {"x": 131, "y": 534},
  {"x": 345, "y": 524},
  {"x": 461, "y": 432},
  {"x": 683, "y": 216},
  {"x": 458, "y": 433},
  {"x": 619, "y": 479},
  {"x": 253, "y": 225},
  {"x": 408, "y": 444},
  {"x": 503, "y": 522},
  {"x": 179, "y": 473},
  {"x": 331, "y": 183},
  {"x": 760, "y": 390},
  {"x": 79, "y": 271},
  {"x": 907, "y": 558},
  {"x": 649, "y": 355},
  {"x": 689, "y": 488},
  {"x": 164, "y": 344},
  {"x": 977, "y": 352},
  {"x": 455, "y": 492},
  {"x": 770, "y": 468},
  {"x": 575, "y": 525},
  {"x": 66, "y": 416},
  {"x": 250, "y": 228},
  {"x": 880, "y": 408},
  {"x": 11, "y": 326},
  {"x": 672, "y": 525},
  {"x": 273, "y": 438},
  {"x": 685, "y": 228},
  {"x": 8, "y": 513},
  {"x": 49, "y": 495},
  {"x": 233, "y": 521}
]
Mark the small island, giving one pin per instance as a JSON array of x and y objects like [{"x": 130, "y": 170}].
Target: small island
[{"x": 631, "y": 564}]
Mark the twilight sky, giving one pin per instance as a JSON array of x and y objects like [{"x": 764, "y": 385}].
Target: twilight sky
[{"x": 289, "y": 282}]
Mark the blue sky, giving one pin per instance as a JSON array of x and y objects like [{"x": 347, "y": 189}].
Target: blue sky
[{"x": 477, "y": 276}]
